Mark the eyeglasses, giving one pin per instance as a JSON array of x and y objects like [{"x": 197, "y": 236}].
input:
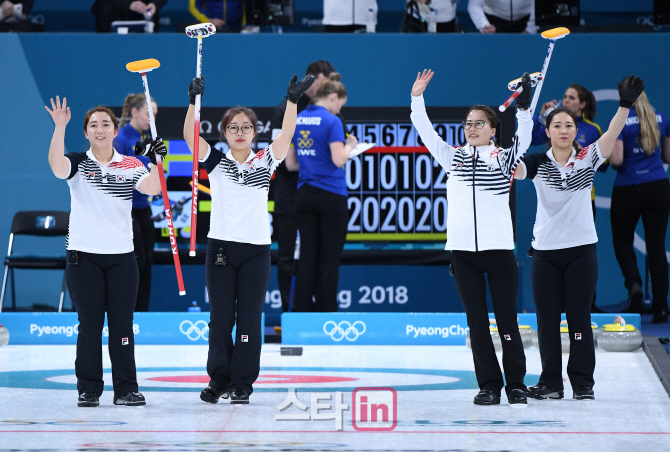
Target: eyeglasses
[
  {"x": 476, "y": 124},
  {"x": 246, "y": 129}
]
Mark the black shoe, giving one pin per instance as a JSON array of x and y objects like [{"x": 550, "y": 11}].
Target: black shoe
[
  {"x": 130, "y": 399},
  {"x": 212, "y": 395},
  {"x": 88, "y": 399},
  {"x": 634, "y": 299},
  {"x": 583, "y": 393},
  {"x": 239, "y": 396},
  {"x": 487, "y": 397},
  {"x": 542, "y": 392},
  {"x": 517, "y": 396},
  {"x": 660, "y": 317}
]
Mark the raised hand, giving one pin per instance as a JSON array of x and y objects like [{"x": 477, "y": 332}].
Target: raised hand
[
  {"x": 196, "y": 87},
  {"x": 628, "y": 94},
  {"x": 421, "y": 82},
  {"x": 547, "y": 105},
  {"x": 297, "y": 89},
  {"x": 60, "y": 114},
  {"x": 523, "y": 101}
]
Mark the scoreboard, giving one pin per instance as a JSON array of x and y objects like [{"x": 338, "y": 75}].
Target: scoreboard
[{"x": 397, "y": 191}]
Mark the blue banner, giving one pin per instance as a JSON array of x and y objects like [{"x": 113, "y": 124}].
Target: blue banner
[
  {"x": 395, "y": 328},
  {"x": 164, "y": 328}
]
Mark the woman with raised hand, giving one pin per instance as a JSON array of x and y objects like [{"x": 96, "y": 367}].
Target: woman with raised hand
[
  {"x": 237, "y": 263},
  {"x": 480, "y": 235},
  {"x": 641, "y": 190},
  {"x": 101, "y": 267},
  {"x": 565, "y": 266}
]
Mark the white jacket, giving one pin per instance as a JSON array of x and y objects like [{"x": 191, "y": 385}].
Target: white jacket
[
  {"x": 349, "y": 12},
  {"x": 478, "y": 214},
  {"x": 505, "y": 9}
]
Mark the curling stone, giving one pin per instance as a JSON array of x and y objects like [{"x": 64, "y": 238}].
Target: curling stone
[
  {"x": 495, "y": 336},
  {"x": 4, "y": 336},
  {"x": 619, "y": 337},
  {"x": 528, "y": 335},
  {"x": 565, "y": 337},
  {"x": 595, "y": 330}
]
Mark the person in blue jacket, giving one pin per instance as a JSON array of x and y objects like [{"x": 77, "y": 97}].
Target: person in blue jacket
[
  {"x": 320, "y": 150},
  {"x": 135, "y": 127},
  {"x": 641, "y": 190}
]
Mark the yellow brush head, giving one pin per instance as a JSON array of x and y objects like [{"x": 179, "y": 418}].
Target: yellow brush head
[
  {"x": 143, "y": 65},
  {"x": 556, "y": 33}
]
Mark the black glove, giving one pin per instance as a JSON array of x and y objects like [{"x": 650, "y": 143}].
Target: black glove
[
  {"x": 196, "y": 87},
  {"x": 150, "y": 148},
  {"x": 523, "y": 101},
  {"x": 295, "y": 90},
  {"x": 628, "y": 94}
]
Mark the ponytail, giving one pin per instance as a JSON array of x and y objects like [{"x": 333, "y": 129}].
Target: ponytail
[
  {"x": 330, "y": 86},
  {"x": 589, "y": 110},
  {"x": 650, "y": 135}
]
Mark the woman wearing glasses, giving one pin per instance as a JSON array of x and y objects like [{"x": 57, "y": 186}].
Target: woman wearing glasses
[
  {"x": 237, "y": 263},
  {"x": 479, "y": 233},
  {"x": 321, "y": 203}
]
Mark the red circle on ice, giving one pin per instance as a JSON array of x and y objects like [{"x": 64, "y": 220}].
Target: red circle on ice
[{"x": 262, "y": 379}]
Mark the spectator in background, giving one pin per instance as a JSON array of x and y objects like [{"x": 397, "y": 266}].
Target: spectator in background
[
  {"x": 503, "y": 16},
  {"x": 135, "y": 125},
  {"x": 285, "y": 186},
  {"x": 349, "y": 16},
  {"x": 641, "y": 189},
  {"x": 13, "y": 16},
  {"x": 225, "y": 15},
  {"x": 108, "y": 11},
  {"x": 445, "y": 16}
]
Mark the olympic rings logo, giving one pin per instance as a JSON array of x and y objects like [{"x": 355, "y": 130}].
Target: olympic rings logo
[
  {"x": 344, "y": 330},
  {"x": 195, "y": 331}
]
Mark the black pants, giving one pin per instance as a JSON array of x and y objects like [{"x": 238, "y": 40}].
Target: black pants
[
  {"x": 99, "y": 283},
  {"x": 651, "y": 201},
  {"x": 568, "y": 275},
  {"x": 236, "y": 289},
  {"x": 503, "y": 277},
  {"x": 285, "y": 229},
  {"x": 144, "y": 239},
  {"x": 322, "y": 219}
]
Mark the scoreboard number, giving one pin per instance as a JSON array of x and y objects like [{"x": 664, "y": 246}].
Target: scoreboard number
[{"x": 397, "y": 191}]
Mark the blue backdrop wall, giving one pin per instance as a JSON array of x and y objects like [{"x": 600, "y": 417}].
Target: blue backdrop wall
[{"x": 253, "y": 70}]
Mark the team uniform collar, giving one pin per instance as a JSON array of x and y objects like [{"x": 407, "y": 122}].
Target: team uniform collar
[
  {"x": 571, "y": 160},
  {"x": 116, "y": 157},
  {"x": 229, "y": 156},
  {"x": 486, "y": 149}
]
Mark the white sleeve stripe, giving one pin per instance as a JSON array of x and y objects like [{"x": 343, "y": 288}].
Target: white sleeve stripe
[{"x": 209, "y": 149}]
